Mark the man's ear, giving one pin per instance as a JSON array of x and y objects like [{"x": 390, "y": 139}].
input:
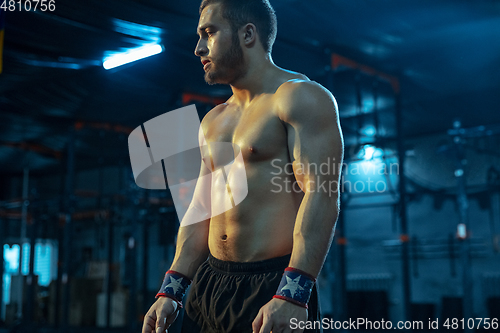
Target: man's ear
[{"x": 249, "y": 34}]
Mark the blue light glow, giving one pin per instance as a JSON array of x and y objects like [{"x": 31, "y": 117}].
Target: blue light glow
[
  {"x": 368, "y": 130},
  {"x": 144, "y": 32},
  {"x": 367, "y": 152}
]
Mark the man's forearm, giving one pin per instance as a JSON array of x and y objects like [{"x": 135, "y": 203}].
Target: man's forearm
[
  {"x": 188, "y": 263},
  {"x": 192, "y": 248},
  {"x": 313, "y": 232}
]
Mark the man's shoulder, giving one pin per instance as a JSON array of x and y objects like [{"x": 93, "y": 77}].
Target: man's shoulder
[
  {"x": 304, "y": 87},
  {"x": 299, "y": 95},
  {"x": 207, "y": 119}
]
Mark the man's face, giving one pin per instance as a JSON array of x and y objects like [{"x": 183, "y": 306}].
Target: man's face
[{"x": 219, "y": 48}]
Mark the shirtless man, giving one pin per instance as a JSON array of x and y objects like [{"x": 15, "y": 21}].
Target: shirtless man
[{"x": 281, "y": 121}]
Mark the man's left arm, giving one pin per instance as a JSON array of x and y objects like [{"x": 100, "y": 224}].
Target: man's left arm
[
  {"x": 317, "y": 160},
  {"x": 316, "y": 145}
]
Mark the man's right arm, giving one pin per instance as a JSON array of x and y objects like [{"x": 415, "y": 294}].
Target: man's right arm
[
  {"x": 191, "y": 248},
  {"x": 192, "y": 238}
]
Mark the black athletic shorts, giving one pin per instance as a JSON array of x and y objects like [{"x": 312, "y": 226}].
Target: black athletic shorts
[{"x": 226, "y": 296}]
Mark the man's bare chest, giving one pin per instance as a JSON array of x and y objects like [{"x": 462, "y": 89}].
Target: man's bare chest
[{"x": 258, "y": 132}]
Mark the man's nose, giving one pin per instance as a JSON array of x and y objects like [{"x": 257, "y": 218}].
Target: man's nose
[{"x": 201, "y": 48}]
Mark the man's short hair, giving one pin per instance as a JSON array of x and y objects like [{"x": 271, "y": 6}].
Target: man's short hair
[{"x": 241, "y": 12}]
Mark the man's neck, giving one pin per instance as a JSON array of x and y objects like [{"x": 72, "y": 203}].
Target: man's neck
[{"x": 257, "y": 80}]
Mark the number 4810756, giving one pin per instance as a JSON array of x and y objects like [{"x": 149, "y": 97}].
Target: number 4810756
[
  {"x": 471, "y": 323},
  {"x": 28, "y": 5}
]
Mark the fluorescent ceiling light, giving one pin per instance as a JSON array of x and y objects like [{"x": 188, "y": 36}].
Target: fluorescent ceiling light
[{"x": 142, "y": 52}]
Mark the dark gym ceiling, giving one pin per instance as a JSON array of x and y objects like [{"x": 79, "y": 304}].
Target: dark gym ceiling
[{"x": 445, "y": 54}]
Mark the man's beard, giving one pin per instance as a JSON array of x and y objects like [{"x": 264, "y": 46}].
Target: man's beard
[{"x": 229, "y": 67}]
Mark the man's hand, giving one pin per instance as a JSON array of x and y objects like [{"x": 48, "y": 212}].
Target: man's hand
[
  {"x": 160, "y": 316},
  {"x": 275, "y": 317}
]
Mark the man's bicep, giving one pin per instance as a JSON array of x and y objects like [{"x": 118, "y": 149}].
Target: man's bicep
[
  {"x": 322, "y": 140},
  {"x": 317, "y": 137},
  {"x": 199, "y": 208},
  {"x": 320, "y": 158}
]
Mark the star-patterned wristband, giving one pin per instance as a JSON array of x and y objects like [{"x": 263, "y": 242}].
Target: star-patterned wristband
[
  {"x": 174, "y": 286},
  {"x": 295, "y": 287}
]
